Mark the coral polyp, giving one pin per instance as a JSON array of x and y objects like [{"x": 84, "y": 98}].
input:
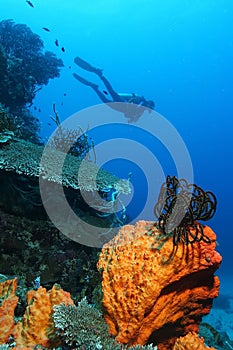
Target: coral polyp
[{"x": 179, "y": 206}]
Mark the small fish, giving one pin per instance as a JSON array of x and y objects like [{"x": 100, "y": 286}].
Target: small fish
[
  {"x": 35, "y": 108},
  {"x": 39, "y": 110},
  {"x": 30, "y": 3},
  {"x": 63, "y": 49},
  {"x": 69, "y": 67},
  {"x": 65, "y": 94},
  {"x": 105, "y": 92},
  {"x": 56, "y": 42},
  {"x": 46, "y": 29},
  {"x": 49, "y": 124}
]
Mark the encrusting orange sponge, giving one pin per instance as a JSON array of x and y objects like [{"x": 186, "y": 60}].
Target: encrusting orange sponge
[
  {"x": 155, "y": 291},
  {"x": 7, "y": 308},
  {"x": 191, "y": 342},
  {"x": 37, "y": 326}
]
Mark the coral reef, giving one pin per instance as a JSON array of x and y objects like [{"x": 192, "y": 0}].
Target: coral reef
[
  {"x": 147, "y": 295},
  {"x": 8, "y": 303},
  {"x": 6, "y": 136},
  {"x": 37, "y": 326},
  {"x": 21, "y": 125},
  {"x": 7, "y": 120},
  {"x": 191, "y": 342},
  {"x": 152, "y": 293},
  {"x": 20, "y": 170},
  {"x": 51, "y": 320},
  {"x": 27, "y": 252},
  {"x": 83, "y": 327},
  {"x": 24, "y": 158}
]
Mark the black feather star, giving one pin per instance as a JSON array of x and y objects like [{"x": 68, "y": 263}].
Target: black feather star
[{"x": 179, "y": 206}]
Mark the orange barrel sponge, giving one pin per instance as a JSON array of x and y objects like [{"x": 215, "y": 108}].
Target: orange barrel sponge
[
  {"x": 8, "y": 304},
  {"x": 153, "y": 290},
  {"x": 37, "y": 326},
  {"x": 191, "y": 342}
]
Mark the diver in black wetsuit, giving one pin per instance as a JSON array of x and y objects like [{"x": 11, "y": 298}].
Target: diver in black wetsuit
[{"x": 139, "y": 102}]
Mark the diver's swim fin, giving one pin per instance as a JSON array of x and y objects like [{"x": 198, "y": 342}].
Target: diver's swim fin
[
  {"x": 84, "y": 81},
  {"x": 87, "y": 66}
]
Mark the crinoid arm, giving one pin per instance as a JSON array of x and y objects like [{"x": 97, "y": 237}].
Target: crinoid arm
[{"x": 179, "y": 208}]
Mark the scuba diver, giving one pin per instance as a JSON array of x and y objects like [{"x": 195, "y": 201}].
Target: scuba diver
[{"x": 138, "y": 104}]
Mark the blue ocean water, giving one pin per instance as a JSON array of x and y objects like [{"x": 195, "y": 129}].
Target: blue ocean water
[{"x": 177, "y": 53}]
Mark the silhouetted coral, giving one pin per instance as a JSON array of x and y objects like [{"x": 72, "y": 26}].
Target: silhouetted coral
[{"x": 25, "y": 68}]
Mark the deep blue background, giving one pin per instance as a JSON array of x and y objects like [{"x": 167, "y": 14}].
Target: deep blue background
[{"x": 178, "y": 53}]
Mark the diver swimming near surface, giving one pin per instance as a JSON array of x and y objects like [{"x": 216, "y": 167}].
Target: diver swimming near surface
[{"x": 138, "y": 104}]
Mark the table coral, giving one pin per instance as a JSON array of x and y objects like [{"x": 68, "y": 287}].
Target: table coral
[
  {"x": 152, "y": 291},
  {"x": 37, "y": 326},
  {"x": 8, "y": 304}
]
